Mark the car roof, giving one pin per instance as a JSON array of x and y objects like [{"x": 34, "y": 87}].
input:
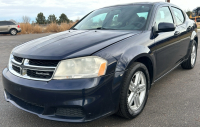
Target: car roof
[
  {"x": 8, "y": 21},
  {"x": 5, "y": 21},
  {"x": 150, "y": 3}
]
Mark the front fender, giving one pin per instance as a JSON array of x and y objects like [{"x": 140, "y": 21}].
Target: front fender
[{"x": 130, "y": 55}]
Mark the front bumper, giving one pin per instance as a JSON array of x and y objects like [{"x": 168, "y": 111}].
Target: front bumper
[{"x": 77, "y": 100}]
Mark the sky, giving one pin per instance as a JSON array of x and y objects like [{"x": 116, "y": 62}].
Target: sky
[{"x": 74, "y": 9}]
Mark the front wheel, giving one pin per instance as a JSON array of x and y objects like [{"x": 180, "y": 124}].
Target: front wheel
[
  {"x": 190, "y": 62},
  {"x": 134, "y": 92}
]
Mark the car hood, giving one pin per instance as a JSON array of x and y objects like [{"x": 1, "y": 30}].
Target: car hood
[{"x": 70, "y": 44}]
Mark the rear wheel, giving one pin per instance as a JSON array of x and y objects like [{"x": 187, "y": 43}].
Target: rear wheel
[
  {"x": 190, "y": 62},
  {"x": 134, "y": 91},
  {"x": 13, "y": 31}
]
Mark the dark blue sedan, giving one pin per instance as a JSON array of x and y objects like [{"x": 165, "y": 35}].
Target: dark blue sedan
[{"x": 105, "y": 64}]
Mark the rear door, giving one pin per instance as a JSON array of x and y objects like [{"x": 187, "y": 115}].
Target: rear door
[
  {"x": 3, "y": 26},
  {"x": 166, "y": 43},
  {"x": 185, "y": 31},
  {"x": 11, "y": 25}
]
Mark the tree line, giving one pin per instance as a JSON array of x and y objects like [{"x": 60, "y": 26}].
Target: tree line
[
  {"x": 52, "y": 18},
  {"x": 41, "y": 19},
  {"x": 188, "y": 12}
]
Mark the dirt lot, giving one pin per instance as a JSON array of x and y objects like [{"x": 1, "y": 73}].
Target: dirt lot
[{"x": 173, "y": 100}]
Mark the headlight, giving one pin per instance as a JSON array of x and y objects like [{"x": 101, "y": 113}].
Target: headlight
[
  {"x": 9, "y": 62},
  {"x": 84, "y": 67}
]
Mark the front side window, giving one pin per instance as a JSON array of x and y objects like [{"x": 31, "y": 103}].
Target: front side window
[
  {"x": 129, "y": 17},
  {"x": 178, "y": 15},
  {"x": 164, "y": 15}
]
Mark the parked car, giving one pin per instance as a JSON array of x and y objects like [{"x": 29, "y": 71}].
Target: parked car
[
  {"x": 105, "y": 64},
  {"x": 9, "y": 27}
]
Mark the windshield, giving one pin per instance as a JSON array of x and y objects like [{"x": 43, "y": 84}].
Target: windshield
[{"x": 130, "y": 17}]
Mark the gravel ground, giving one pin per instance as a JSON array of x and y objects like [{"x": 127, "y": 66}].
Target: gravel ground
[{"x": 173, "y": 100}]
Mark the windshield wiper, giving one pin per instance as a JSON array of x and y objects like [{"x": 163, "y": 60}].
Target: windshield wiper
[
  {"x": 73, "y": 29},
  {"x": 101, "y": 28}
]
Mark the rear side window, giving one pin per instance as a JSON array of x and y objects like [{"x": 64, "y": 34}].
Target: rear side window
[
  {"x": 164, "y": 15},
  {"x": 3, "y": 23},
  {"x": 178, "y": 15},
  {"x": 11, "y": 23}
]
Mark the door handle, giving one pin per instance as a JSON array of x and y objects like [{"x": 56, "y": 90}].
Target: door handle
[{"x": 177, "y": 33}]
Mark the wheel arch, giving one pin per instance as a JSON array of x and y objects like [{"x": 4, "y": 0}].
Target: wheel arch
[
  {"x": 140, "y": 54},
  {"x": 147, "y": 61},
  {"x": 194, "y": 36},
  {"x": 14, "y": 29},
  {"x": 196, "y": 39}
]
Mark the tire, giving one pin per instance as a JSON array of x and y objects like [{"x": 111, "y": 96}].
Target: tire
[
  {"x": 130, "y": 108},
  {"x": 13, "y": 32},
  {"x": 191, "y": 61}
]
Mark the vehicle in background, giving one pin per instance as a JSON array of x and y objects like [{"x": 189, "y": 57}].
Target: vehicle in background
[
  {"x": 9, "y": 27},
  {"x": 195, "y": 14}
]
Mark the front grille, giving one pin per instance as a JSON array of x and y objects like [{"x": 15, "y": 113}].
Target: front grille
[
  {"x": 18, "y": 59},
  {"x": 40, "y": 74},
  {"x": 49, "y": 63},
  {"x": 32, "y": 69},
  {"x": 70, "y": 112},
  {"x": 15, "y": 68}
]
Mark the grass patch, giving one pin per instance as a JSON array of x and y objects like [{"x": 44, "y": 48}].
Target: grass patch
[{"x": 28, "y": 28}]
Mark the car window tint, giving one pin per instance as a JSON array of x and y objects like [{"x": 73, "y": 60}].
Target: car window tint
[
  {"x": 164, "y": 15},
  {"x": 3, "y": 23},
  {"x": 115, "y": 21},
  {"x": 97, "y": 21},
  {"x": 143, "y": 14},
  {"x": 178, "y": 15},
  {"x": 11, "y": 23},
  {"x": 130, "y": 17}
]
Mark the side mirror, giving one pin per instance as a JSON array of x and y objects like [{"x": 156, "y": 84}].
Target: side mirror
[{"x": 166, "y": 27}]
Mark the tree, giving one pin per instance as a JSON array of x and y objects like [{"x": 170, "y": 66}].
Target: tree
[
  {"x": 188, "y": 13},
  {"x": 63, "y": 18},
  {"x": 52, "y": 18},
  {"x": 40, "y": 18},
  {"x": 26, "y": 19}
]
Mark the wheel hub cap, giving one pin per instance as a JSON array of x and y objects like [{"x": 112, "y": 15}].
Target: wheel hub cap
[
  {"x": 137, "y": 91},
  {"x": 13, "y": 32},
  {"x": 193, "y": 55}
]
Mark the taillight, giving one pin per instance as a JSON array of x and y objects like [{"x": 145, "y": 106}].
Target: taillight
[{"x": 18, "y": 26}]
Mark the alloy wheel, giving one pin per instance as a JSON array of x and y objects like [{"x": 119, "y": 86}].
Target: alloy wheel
[
  {"x": 137, "y": 91},
  {"x": 193, "y": 55}
]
